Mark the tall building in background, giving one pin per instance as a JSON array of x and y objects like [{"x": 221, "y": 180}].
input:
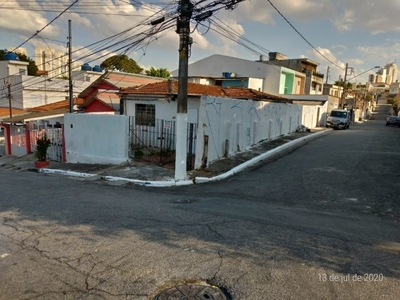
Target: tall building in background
[
  {"x": 391, "y": 72},
  {"x": 52, "y": 63},
  {"x": 387, "y": 75},
  {"x": 371, "y": 78}
]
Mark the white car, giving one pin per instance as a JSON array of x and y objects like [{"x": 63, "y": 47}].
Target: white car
[{"x": 338, "y": 119}]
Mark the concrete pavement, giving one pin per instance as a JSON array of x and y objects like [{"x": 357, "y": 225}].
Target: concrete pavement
[{"x": 320, "y": 223}]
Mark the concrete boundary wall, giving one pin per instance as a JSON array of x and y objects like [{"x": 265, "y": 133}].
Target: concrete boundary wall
[
  {"x": 227, "y": 126},
  {"x": 91, "y": 138}
]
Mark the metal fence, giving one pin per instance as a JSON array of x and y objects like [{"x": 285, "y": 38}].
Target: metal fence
[
  {"x": 18, "y": 140},
  {"x": 158, "y": 143},
  {"x": 36, "y": 128}
]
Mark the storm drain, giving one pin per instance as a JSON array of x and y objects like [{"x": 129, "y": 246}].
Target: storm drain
[{"x": 191, "y": 292}]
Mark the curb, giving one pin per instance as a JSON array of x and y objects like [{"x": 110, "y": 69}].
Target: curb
[
  {"x": 285, "y": 147},
  {"x": 150, "y": 183},
  {"x": 61, "y": 172}
]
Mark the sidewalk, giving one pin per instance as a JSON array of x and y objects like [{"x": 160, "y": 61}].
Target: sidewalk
[{"x": 147, "y": 174}]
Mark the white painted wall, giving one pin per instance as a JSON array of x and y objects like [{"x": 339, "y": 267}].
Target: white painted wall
[
  {"x": 96, "y": 138},
  {"x": 243, "y": 123},
  {"x": 164, "y": 110},
  {"x": 215, "y": 65},
  {"x": 199, "y": 80},
  {"x": 256, "y": 84}
]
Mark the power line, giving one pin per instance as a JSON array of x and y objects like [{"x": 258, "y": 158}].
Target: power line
[
  {"x": 48, "y": 24},
  {"x": 76, "y": 12},
  {"x": 295, "y": 29},
  {"x": 138, "y": 40}
]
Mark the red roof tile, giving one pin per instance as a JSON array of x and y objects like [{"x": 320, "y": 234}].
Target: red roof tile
[
  {"x": 55, "y": 105},
  {"x": 5, "y": 112},
  {"x": 171, "y": 88}
]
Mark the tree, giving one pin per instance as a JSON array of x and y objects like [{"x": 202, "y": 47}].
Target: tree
[
  {"x": 395, "y": 105},
  {"x": 162, "y": 72},
  {"x": 340, "y": 82},
  {"x": 121, "y": 63},
  {"x": 32, "y": 68}
]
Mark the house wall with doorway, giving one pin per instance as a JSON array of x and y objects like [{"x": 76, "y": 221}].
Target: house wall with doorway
[{"x": 92, "y": 138}]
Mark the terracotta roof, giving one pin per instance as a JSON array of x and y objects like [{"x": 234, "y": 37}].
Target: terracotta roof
[
  {"x": 56, "y": 108},
  {"x": 34, "y": 115},
  {"x": 5, "y": 112},
  {"x": 55, "y": 105},
  {"x": 244, "y": 93},
  {"x": 119, "y": 80},
  {"x": 171, "y": 88}
]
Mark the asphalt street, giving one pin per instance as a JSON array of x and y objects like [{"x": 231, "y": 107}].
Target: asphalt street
[{"x": 322, "y": 222}]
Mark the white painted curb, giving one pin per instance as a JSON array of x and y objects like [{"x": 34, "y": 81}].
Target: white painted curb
[
  {"x": 66, "y": 173},
  {"x": 263, "y": 156},
  {"x": 150, "y": 183},
  {"x": 168, "y": 183}
]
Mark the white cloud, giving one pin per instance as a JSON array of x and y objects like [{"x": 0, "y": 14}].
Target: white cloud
[
  {"x": 15, "y": 19},
  {"x": 388, "y": 53},
  {"x": 375, "y": 17},
  {"x": 262, "y": 11}
]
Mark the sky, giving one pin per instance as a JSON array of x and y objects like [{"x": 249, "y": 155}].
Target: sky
[{"x": 361, "y": 33}]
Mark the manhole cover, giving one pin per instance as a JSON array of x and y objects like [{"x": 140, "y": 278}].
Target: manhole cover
[{"x": 191, "y": 292}]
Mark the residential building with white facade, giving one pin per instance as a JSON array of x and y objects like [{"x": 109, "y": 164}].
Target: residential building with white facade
[
  {"x": 278, "y": 78},
  {"x": 30, "y": 91},
  {"x": 314, "y": 82}
]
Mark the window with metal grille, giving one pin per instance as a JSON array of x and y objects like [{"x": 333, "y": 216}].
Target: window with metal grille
[{"x": 145, "y": 114}]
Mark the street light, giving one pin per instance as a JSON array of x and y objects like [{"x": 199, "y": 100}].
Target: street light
[
  {"x": 341, "y": 104},
  {"x": 376, "y": 67}
]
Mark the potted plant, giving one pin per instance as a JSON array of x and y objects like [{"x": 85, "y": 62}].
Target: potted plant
[{"x": 42, "y": 143}]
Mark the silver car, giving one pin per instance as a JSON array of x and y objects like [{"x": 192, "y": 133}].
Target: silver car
[{"x": 338, "y": 119}]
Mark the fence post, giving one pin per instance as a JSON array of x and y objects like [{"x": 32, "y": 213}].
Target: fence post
[
  {"x": 190, "y": 157},
  {"x": 64, "y": 151},
  {"x": 226, "y": 153},
  {"x": 205, "y": 153},
  {"x": 28, "y": 138}
]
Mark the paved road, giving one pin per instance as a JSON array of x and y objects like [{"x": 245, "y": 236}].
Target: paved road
[{"x": 319, "y": 223}]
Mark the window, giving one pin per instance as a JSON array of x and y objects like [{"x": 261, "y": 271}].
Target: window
[{"x": 145, "y": 114}]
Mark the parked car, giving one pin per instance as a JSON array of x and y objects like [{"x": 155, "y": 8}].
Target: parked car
[
  {"x": 393, "y": 120},
  {"x": 338, "y": 119}
]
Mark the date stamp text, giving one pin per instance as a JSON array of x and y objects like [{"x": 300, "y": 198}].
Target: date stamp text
[{"x": 368, "y": 277}]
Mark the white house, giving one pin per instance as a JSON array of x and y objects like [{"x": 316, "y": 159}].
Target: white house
[{"x": 225, "y": 120}]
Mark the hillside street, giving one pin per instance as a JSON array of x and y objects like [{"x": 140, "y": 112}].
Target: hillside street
[{"x": 321, "y": 222}]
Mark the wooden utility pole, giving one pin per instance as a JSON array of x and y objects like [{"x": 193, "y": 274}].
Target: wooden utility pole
[
  {"x": 70, "y": 89},
  {"x": 341, "y": 104},
  {"x": 9, "y": 96},
  {"x": 186, "y": 9},
  {"x": 327, "y": 75}
]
